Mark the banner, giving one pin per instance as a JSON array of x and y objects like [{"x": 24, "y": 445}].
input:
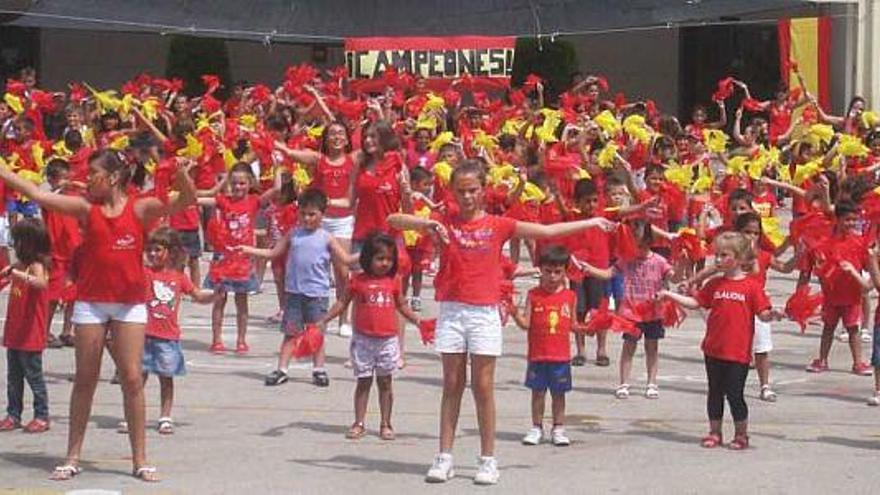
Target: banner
[
  {"x": 488, "y": 60},
  {"x": 807, "y": 43}
]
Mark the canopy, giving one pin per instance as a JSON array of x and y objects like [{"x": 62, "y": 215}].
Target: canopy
[{"x": 333, "y": 20}]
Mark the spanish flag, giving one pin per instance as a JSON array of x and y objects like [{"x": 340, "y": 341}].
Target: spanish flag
[{"x": 805, "y": 44}]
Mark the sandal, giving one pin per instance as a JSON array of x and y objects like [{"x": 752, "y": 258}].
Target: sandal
[
  {"x": 37, "y": 425},
  {"x": 740, "y": 442},
  {"x": 65, "y": 472},
  {"x": 122, "y": 427},
  {"x": 652, "y": 392},
  {"x": 54, "y": 342},
  {"x": 711, "y": 441},
  {"x": 166, "y": 426},
  {"x": 767, "y": 394},
  {"x": 67, "y": 340},
  {"x": 242, "y": 348},
  {"x": 9, "y": 423},
  {"x": 356, "y": 432},
  {"x": 603, "y": 361},
  {"x": 217, "y": 348},
  {"x": 146, "y": 473},
  {"x": 622, "y": 391},
  {"x": 386, "y": 432}
]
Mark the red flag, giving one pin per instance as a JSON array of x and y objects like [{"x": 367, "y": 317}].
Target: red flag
[
  {"x": 15, "y": 87},
  {"x": 77, "y": 92},
  {"x": 603, "y": 83},
  {"x": 802, "y": 306},
  {"x": 531, "y": 82},
  {"x": 211, "y": 82},
  {"x": 752, "y": 105},
  {"x": 625, "y": 241},
  {"x": 210, "y": 104},
  {"x": 725, "y": 89},
  {"x": 673, "y": 315}
]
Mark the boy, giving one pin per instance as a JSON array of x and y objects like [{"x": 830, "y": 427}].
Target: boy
[
  {"x": 310, "y": 250},
  {"x": 550, "y": 307},
  {"x": 838, "y": 263},
  {"x": 419, "y": 246}
]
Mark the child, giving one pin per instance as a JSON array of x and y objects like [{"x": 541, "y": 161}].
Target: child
[
  {"x": 469, "y": 325},
  {"x": 310, "y": 250},
  {"x": 841, "y": 286},
  {"x": 65, "y": 238},
  {"x": 643, "y": 277},
  {"x": 550, "y": 307},
  {"x": 419, "y": 246},
  {"x": 163, "y": 355},
  {"x": 733, "y": 301},
  {"x": 874, "y": 268},
  {"x": 233, "y": 271},
  {"x": 24, "y": 333},
  {"x": 375, "y": 347}
]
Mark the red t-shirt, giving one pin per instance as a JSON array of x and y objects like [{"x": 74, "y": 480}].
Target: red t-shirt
[
  {"x": 375, "y": 304},
  {"x": 237, "y": 217},
  {"x": 765, "y": 204},
  {"x": 470, "y": 265},
  {"x": 730, "y": 325},
  {"x": 113, "y": 271},
  {"x": 165, "y": 290},
  {"x": 334, "y": 181},
  {"x": 26, "y": 313},
  {"x": 378, "y": 195},
  {"x": 550, "y": 322}
]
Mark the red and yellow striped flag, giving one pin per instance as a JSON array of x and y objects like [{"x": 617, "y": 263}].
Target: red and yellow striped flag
[{"x": 807, "y": 43}]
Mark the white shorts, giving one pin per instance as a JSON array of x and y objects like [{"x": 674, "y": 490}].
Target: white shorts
[
  {"x": 339, "y": 227},
  {"x": 465, "y": 328},
  {"x": 98, "y": 313},
  {"x": 4, "y": 231},
  {"x": 763, "y": 341}
]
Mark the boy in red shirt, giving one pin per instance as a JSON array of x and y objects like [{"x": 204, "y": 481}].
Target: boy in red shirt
[
  {"x": 838, "y": 262},
  {"x": 733, "y": 301},
  {"x": 550, "y": 309}
]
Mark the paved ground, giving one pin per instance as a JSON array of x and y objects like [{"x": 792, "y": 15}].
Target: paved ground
[{"x": 236, "y": 435}]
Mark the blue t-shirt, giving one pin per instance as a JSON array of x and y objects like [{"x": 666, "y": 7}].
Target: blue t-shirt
[{"x": 308, "y": 263}]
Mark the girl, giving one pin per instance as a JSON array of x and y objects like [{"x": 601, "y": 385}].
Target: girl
[
  {"x": 733, "y": 301},
  {"x": 163, "y": 355},
  {"x": 375, "y": 348},
  {"x": 111, "y": 292},
  {"x": 468, "y": 288},
  {"x": 233, "y": 271},
  {"x": 24, "y": 333},
  {"x": 280, "y": 218},
  {"x": 643, "y": 277}
]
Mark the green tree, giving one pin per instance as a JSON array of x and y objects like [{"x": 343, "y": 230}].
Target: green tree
[
  {"x": 555, "y": 61},
  {"x": 190, "y": 57}
]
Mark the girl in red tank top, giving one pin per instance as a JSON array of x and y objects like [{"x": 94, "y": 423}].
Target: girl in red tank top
[{"x": 111, "y": 289}]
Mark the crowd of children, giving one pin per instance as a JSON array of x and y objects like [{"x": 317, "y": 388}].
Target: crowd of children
[{"x": 111, "y": 196}]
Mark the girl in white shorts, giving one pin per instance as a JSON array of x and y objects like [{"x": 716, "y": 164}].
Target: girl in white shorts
[{"x": 468, "y": 288}]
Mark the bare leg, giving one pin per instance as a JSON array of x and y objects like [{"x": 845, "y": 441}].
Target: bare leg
[
  {"x": 89, "y": 349},
  {"x": 825, "y": 343},
  {"x": 483, "y": 385},
  {"x": 558, "y": 405},
  {"x": 855, "y": 344},
  {"x": 386, "y": 398},
  {"x": 166, "y": 394},
  {"x": 128, "y": 351},
  {"x": 627, "y": 351},
  {"x": 762, "y": 366},
  {"x": 361, "y": 398},
  {"x": 538, "y": 408},
  {"x": 241, "y": 317},
  {"x": 652, "y": 359},
  {"x": 454, "y": 376},
  {"x": 217, "y": 318}
]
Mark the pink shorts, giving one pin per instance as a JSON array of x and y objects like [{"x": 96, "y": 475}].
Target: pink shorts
[{"x": 850, "y": 314}]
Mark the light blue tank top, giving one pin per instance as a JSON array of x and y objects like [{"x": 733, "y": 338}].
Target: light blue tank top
[{"x": 308, "y": 263}]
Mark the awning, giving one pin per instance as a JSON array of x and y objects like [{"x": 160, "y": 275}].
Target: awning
[{"x": 333, "y": 20}]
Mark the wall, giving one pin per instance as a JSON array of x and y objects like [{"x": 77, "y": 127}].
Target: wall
[{"x": 641, "y": 64}]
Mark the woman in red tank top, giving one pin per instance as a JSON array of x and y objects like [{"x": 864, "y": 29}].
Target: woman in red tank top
[
  {"x": 111, "y": 291},
  {"x": 333, "y": 172}
]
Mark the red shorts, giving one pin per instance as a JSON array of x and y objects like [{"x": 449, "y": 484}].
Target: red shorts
[{"x": 850, "y": 314}]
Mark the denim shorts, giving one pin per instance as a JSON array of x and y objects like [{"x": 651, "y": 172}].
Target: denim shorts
[
  {"x": 590, "y": 293},
  {"x": 234, "y": 286},
  {"x": 614, "y": 288},
  {"x": 542, "y": 376},
  {"x": 652, "y": 330},
  {"x": 300, "y": 310},
  {"x": 875, "y": 354},
  {"x": 191, "y": 243},
  {"x": 163, "y": 357}
]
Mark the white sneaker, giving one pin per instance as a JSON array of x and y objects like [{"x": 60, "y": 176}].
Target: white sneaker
[
  {"x": 843, "y": 336},
  {"x": 487, "y": 471},
  {"x": 874, "y": 400},
  {"x": 345, "y": 330},
  {"x": 534, "y": 436},
  {"x": 441, "y": 470},
  {"x": 865, "y": 335},
  {"x": 558, "y": 437}
]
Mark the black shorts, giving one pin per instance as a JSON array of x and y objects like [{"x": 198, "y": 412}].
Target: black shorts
[
  {"x": 651, "y": 330},
  {"x": 590, "y": 293}
]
